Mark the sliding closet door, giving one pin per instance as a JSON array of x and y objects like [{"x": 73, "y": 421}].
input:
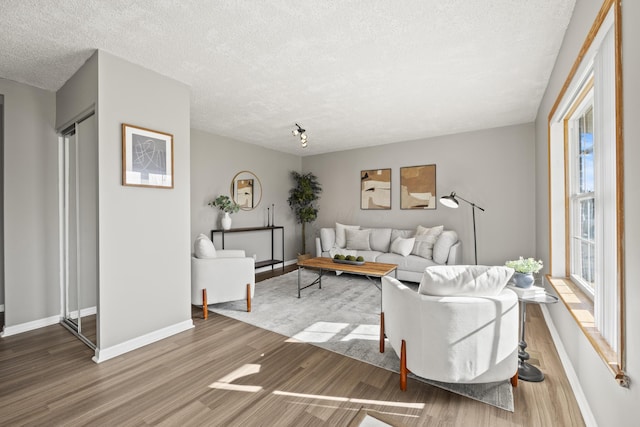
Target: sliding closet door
[{"x": 80, "y": 229}]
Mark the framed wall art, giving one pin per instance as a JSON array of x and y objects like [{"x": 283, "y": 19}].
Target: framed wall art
[
  {"x": 147, "y": 157},
  {"x": 375, "y": 189},
  {"x": 418, "y": 187}
]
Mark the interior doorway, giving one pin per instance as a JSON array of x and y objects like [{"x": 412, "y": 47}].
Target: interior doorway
[{"x": 79, "y": 228}]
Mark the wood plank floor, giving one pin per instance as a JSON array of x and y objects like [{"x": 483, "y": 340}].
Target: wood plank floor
[{"x": 47, "y": 378}]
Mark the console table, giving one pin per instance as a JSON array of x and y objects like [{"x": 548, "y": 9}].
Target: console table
[{"x": 264, "y": 263}]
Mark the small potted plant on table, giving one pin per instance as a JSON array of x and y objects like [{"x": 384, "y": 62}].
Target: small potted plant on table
[
  {"x": 524, "y": 270},
  {"x": 226, "y": 205}
]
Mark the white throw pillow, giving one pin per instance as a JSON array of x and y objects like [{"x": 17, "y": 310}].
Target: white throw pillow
[
  {"x": 402, "y": 246},
  {"x": 341, "y": 238},
  {"x": 358, "y": 239},
  {"x": 203, "y": 247},
  {"x": 425, "y": 240},
  {"x": 464, "y": 280},
  {"x": 443, "y": 246}
]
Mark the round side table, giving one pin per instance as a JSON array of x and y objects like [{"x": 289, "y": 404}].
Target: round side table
[{"x": 526, "y": 371}]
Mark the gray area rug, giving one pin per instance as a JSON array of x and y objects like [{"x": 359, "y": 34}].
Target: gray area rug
[{"x": 344, "y": 317}]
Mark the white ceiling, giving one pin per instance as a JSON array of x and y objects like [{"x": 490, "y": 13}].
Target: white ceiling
[{"x": 353, "y": 73}]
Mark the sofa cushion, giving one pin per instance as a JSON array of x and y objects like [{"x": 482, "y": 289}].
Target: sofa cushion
[
  {"x": 425, "y": 239},
  {"x": 443, "y": 246},
  {"x": 327, "y": 238},
  {"x": 464, "y": 280},
  {"x": 358, "y": 239},
  {"x": 203, "y": 247},
  {"x": 370, "y": 256},
  {"x": 341, "y": 238},
  {"x": 402, "y": 246},
  {"x": 380, "y": 239},
  {"x": 395, "y": 233}
]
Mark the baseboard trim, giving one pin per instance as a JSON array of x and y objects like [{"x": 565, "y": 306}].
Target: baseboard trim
[
  {"x": 89, "y": 311},
  {"x": 583, "y": 404},
  {"x": 2, "y": 308},
  {"x": 286, "y": 263},
  {"x": 29, "y": 326},
  {"x": 104, "y": 354}
]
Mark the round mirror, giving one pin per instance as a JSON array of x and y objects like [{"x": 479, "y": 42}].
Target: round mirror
[{"x": 246, "y": 190}]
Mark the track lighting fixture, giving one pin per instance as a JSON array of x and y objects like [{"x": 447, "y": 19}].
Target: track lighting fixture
[{"x": 303, "y": 136}]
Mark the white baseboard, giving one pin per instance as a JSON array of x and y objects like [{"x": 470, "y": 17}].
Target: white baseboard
[
  {"x": 83, "y": 312},
  {"x": 30, "y": 326},
  {"x": 583, "y": 404},
  {"x": 135, "y": 343},
  {"x": 2, "y": 308},
  {"x": 286, "y": 263}
]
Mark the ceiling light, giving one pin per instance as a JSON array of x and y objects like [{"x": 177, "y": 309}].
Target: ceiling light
[{"x": 301, "y": 132}]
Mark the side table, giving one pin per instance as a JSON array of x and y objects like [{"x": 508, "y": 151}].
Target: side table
[{"x": 526, "y": 371}]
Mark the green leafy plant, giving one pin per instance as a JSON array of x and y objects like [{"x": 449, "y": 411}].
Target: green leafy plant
[
  {"x": 225, "y": 204},
  {"x": 302, "y": 200},
  {"x": 523, "y": 265}
]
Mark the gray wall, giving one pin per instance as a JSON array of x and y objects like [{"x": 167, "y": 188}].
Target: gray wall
[
  {"x": 214, "y": 162},
  {"x": 79, "y": 94},
  {"x": 2, "y": 203},
  {"x": 610, "y": 403},
  {"x": 145, "y": 269},
  {"x": 492, "y": 168},
  {"x": 30, "y": 204}
]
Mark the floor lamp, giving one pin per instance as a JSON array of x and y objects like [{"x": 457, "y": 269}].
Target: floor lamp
[{"x": 451, "y": 201}]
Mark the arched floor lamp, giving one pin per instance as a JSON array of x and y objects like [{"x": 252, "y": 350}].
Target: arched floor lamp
[{"x": 451, "y": 201}]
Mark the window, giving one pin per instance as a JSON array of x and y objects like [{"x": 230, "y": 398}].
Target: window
[
  {"x": 582, "y": 195},
  {"x": 585, "y": 191}
]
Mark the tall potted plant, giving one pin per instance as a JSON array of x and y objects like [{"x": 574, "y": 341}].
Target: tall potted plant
[{"x": 302, "y": 200}]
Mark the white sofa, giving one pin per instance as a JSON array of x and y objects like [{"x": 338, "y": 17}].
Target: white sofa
[
  {"x": 383, "y": 247},
  {"x": 460, "y": 327}
]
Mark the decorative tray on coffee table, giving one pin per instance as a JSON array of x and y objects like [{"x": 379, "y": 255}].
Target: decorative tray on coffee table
[{"x": 344, "y": 261}]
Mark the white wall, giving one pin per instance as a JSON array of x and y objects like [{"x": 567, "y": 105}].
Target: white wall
[
  {"x": 30, "y": 205},
  {"x": 144, "y": 247},
  {"x": 214, "y": 162},
  {"x": 492, "y": 168},
  {"x": 610, "y": 404}
]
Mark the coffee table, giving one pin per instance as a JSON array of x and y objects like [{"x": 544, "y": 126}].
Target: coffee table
[{"x": 322, "y": 264}]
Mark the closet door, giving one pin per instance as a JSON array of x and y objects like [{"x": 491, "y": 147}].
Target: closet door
[{"x": 80, "y": 234}]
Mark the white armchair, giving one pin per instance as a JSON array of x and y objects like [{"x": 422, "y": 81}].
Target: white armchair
[
  {"x": 223, "y": 275},
  {"x": 460, "y": 327}
]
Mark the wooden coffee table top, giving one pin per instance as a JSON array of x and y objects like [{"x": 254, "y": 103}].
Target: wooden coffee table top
[{"x": 374, "y": 269}]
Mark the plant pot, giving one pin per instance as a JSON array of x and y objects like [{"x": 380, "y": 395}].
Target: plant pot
[
  {"x": 226, "y": 221},
  {"x": 523, "y": 280}
]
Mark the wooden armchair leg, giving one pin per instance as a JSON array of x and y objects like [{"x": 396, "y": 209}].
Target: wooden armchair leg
[
  {"x": 514, "y": 380},
  {"x": 381, "y": 332},
  {"x": 248, "y": 297},
  {"x": 403, "y": 366},
  {"x": 205, "y": 312}
]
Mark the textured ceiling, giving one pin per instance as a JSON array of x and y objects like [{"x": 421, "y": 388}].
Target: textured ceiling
[{"x": 353, "y": 73}]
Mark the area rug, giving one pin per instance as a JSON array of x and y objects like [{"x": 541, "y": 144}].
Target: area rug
[{"x": 344, "y": 317}]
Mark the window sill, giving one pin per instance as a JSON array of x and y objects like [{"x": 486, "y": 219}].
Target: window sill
[{"x": 581, "y": 308}]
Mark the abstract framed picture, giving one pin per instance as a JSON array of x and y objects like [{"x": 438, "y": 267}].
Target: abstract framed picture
[
  {"x": 147, "y": 157},
  {"x": 418, "y": 187},
  {"x": 375, "y": 189}
]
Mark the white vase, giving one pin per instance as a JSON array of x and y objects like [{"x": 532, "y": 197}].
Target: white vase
[{"x": 226, "y": 221}]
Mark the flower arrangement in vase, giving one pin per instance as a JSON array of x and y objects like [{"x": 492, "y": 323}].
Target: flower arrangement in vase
[
  {"x": 226, "y": 205},
  {"x": 524, "y": 270}
]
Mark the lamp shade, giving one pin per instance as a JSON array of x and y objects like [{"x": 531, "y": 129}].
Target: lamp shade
[{"x": 450, "y": 201}]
